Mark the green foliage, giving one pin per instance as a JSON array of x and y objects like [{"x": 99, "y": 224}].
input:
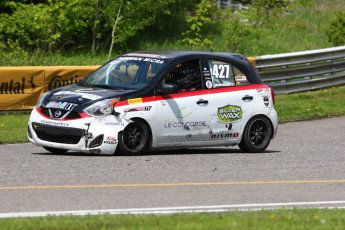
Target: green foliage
[
  {"x": 234, "y": 28},
  {"x": 265, "y": 12},
  {"x": 60, "y": 25},
  {"x": 194, "y": 35},
  {"x": 36, "y": 32},
  {"x": 46, "y": 26},
  {"x": 336, "y": 31}
]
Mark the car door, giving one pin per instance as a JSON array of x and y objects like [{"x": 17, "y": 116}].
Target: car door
[
  {"x": 232, "y": 100},
  {"x": 183, "y": 118}
]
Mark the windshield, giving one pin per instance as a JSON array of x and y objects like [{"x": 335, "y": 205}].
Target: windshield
[{"x": 125, "y": 73}]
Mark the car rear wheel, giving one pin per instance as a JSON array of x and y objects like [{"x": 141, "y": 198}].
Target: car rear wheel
[
  {"x": 257, "y": 135},
  {"x": 134, "y": 139},
  {"x": 55, "y": 150}
]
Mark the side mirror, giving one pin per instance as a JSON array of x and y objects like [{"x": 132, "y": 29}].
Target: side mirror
[{"x": 166, "y": 88}]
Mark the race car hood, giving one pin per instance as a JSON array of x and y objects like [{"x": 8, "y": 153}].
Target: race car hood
[{"x": 84, "y": 96}]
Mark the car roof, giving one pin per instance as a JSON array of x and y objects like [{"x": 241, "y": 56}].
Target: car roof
[
  {"x": 172, "y": 54},
  {"x": 179, "y": 55}
]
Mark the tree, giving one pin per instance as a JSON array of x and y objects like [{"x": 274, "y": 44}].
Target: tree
[{"x": 128, "y": 17}]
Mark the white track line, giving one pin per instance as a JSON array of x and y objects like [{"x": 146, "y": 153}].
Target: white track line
[{"x": 172, "y": 210}]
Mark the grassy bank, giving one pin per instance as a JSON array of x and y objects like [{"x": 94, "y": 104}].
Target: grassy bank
[
  {"x": 273, "y": 219},
  {"x": 290, "y": 107}
]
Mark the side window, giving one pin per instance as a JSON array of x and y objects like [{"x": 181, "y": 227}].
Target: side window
[
  {"x": 186, "y": 75},
  {"x": 224, "y": 74}
]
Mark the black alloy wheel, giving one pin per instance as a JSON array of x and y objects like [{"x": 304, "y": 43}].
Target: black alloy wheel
[
  {"x": 134, "y": 139},
  {"x": 257, "y": 135}
]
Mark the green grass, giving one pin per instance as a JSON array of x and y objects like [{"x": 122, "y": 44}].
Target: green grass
[
  {"x": 13, "y": 128},
  {"x": 273, "y": 219},
  {"x": 328, "y": 102}
]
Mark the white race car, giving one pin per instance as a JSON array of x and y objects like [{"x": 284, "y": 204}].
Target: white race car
[{"x": 149, "y": 100}]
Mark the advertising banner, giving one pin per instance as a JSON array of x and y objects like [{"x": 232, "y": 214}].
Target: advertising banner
[{"x": 20, "y": 87}]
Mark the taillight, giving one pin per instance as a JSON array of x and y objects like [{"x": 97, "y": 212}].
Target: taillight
[{"x": 272, "y": 94}]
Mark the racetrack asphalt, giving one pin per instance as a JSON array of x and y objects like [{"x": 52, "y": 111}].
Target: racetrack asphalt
[{"x": 304, "y": 165}]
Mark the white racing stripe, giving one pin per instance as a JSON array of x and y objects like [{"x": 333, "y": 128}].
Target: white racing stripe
[{"x": 191, "y": 209}]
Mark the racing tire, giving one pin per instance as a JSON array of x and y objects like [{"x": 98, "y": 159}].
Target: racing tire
[
  {"x": 257, "y": 135},
  {"x": 55, "y": 150},
  {"x": 134, "y": 139}
]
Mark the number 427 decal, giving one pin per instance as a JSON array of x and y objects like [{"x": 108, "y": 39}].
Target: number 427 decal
[{"x": 221, "y": 71}]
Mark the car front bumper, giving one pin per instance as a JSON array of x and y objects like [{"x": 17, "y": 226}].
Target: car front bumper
[{"x": 94, "y": 135}]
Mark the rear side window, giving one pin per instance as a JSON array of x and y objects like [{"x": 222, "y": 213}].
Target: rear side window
[{"x": 222, "y": 74}]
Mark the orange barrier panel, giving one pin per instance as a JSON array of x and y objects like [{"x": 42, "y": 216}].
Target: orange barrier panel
[
  {"x": 20, "y": 87},
  {"x": 252, "y": 60}
]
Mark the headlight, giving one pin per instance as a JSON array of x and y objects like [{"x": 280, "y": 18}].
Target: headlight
[
  {"x": 101, "y": 108},
  {"x": 40, "y": 100}
]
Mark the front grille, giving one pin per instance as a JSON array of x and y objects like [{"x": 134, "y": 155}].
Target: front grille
[
  {"x": 57, "y": 134},
  {"x": 64, "y": 114}
]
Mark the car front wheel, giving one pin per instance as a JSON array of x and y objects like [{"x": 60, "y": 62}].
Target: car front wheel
[
  {"x": 257, "y": 135},
  {"x": 134, "y": 139}
]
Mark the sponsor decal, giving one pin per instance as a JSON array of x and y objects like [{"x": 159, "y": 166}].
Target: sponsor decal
[
  {"x": 241, "y": 78},
  {"x": 148, "y": 55},
  {"x": 82, "y": 94},
  {"x": 135, "y": 101},
  {"x": 208, "y": 84},
  {"x": 56, "y": 123},
  {"x": 110, "y": 140},
  {"x": 186, "y": 124},
  {"x": 115, "y": 123},
  {"x": 182, "y": 113},
  {"x": 266, "y": 101},
  {"x": 17, "y": 87},
  {"x": 135, "y": 109},
  {"x": 263, "y": 90},
  {"x": 229, "y": 113},
  {"x": 146, "y": 59},
  {"x": 229, "y": 126},
  {"x": 206, "y": 72},
  {"x": 225, "y": 135},
  {"x": 163, "y": 103},
  {"x": 57, "y": 81},
  {"x": 60, "y": 105}
]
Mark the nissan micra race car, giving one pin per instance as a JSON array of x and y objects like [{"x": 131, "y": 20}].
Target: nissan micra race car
[{"x": 148, "y": 100}]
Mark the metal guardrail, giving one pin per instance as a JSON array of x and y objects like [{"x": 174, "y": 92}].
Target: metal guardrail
[{"x": 302, "y": 71}]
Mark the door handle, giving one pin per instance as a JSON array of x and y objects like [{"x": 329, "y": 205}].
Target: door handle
[
  {"x": 202, "y": 102},
  {"x": 247, "y": 98}
]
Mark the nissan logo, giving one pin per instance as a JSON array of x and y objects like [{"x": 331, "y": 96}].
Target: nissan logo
[{"x": 57, "y": 113}]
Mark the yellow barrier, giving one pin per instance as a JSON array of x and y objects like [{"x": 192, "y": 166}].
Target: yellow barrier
[
  {"x": 20, "y": 87},
  {"x": 252, "y": 60}
]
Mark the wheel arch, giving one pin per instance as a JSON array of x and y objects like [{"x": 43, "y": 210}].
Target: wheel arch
[
  {"x": 147, "y": 125},
  {"x": 259, "y": 115}
]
